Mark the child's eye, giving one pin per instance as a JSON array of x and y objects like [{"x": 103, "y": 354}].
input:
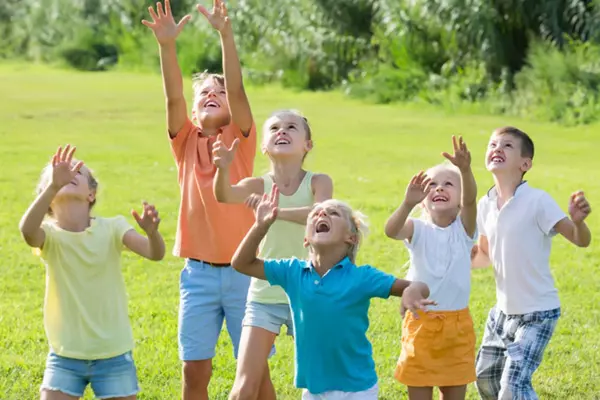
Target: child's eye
[
  {"x": 291, "y": 126},
  {"x": 432, "y": 184},
  {"x": 449, "y": 184},
  {"x": 492, "y": 145},
  {"x": 203, "y": 93},
  {"x": 223, "y": 92},
  {"x": 508, "y": 144},
  {"x": 335, "y": 213},
  {"x": 273, "y": 128}
]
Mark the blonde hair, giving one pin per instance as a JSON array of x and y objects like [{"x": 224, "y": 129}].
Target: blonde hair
[
  {"x": 445, "y": 166},
  {"x": 357, "y": 222},
  {"x": 46, "y": 179},
  {"x": 198, "y": 80}
]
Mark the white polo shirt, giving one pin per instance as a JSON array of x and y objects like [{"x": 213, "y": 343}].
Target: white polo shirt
[{"x": 520, "y": 238}]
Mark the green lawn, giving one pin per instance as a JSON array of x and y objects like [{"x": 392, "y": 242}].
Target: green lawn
[{"x": 117, "y": 121}]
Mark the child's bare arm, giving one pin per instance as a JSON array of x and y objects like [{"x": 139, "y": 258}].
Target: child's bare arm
[
  {"x": 480, "y": 254},
  {"x": 575, "y": 229},
  {"x": 31, "y": 222},
  {"x": 245, "y": 259},
  {"x": 239, "y": 106},
  {"x": 166, "y": 31},
  {"x": 322, "y": 185},
  {"x": 151, "y": 246},
  {"x": 63, "y": 172},
  {"x": 398, "y": 226},
  {"x": 414, "y": 295},
  {"x": 462, "y": 159},
  {"x": 224, "y": 191}
]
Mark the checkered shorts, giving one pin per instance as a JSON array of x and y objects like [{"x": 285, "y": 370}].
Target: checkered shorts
[{"x": 511, "y": 351}]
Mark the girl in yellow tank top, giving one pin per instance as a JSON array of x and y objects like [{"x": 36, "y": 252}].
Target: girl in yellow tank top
[{"x": 287, "y": 139}]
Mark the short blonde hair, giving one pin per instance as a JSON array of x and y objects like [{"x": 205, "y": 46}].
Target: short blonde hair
[
  {"x": 198, "y": 80},
  {"x": 357, "y": 222},
  {"x": 445, "y": 166},
  {"x": 46, "y": 179}
]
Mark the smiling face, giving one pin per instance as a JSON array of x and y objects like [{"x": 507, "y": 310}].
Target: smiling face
[
  {"x": 444, "y": 196},
  {"x": 508, "y": 152},
  {"x": 210, "y": 103},
  {"x": 83, "y": 187},
  {"x": 286, "y": 133}
]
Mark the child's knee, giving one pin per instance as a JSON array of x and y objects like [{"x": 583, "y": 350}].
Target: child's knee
[{"x": 197, "y": 373}]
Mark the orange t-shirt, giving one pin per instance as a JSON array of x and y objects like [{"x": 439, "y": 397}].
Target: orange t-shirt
[{"x": 206, "y": 229}]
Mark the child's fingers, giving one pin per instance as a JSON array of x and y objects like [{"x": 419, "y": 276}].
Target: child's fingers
[
  {"x": 167, "y": 8},
  {"x": 152, "y": 14},
  {"x": 159, "y": 8},
  {"x": 77, "y": 166},
  {"x": 203, "y": 10},
  {"x": 235, "y": 144},
  {"x": 183, "y": 22},
  {"x": 148, "y": 24},
  {"x": 455, "y": 144},
  {"x": 137, "y": 217}
]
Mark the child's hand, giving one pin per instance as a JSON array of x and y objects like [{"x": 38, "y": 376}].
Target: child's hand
[
  {"x": 163, "y": 25},
  {"x": 266, "y": 211},
  {"x": 218, "y": 17},
  {"x": 253, "y": 200},
  {"x": 579, "y": 208},
  {"x": 402, "y": 309},
  {"x": 462, "y": 156},
  {"x": 62, "y": 170},
  {"x": 413, "y": 298},
  {"x": 223, "y": 156},
  {"x": 417, "y": 189},
  {"x": 149, "y": 219}
]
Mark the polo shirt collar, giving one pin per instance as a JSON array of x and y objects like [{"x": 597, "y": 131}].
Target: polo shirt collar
[
  {"x": 522, "y": 187},
  {"x": 345, "y": 262}
]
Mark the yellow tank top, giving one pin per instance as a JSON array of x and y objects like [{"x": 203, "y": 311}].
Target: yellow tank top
[{"x": 284, "y": 240}]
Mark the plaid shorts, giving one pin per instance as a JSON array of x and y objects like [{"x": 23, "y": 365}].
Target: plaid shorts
[{"x": 511, "y": 351}]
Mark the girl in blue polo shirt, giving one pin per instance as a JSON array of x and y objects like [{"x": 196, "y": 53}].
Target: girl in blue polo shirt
[{"x": 327, "y": 292}]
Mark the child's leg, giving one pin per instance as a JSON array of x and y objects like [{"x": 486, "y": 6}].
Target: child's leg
[
  {"x": 531, "y": 337},
  {"x": 453, "y": 392},
  {"x": 491, "y": 357},
  {"x": 64, "y": 378},
  {"x": 200, "y": 321},
  {"x": 114, "y": 378},
  {"x": 252, "y": 380},
  {"x": 420, "y": 393}
]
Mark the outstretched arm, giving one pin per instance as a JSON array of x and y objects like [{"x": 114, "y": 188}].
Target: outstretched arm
[
  {"x": 414, "y": 295},
  {"x": 245, "y": 259},
  {"x": 239, "y": 107},
  {"x": 151, "y": 246},
  {"x": 166, "y": 31},
  {"x": 575, "y": 229},
  {"x": 63, "y": 172},
  {"x": 462, "y": 160},
  {"x": 398, "y": 226}
]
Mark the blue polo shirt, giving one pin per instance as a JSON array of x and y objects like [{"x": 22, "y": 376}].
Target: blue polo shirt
[{"x": 331, "y": 318}]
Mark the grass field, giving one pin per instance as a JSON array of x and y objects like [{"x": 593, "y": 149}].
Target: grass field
[{"x": 117, "y": 121}]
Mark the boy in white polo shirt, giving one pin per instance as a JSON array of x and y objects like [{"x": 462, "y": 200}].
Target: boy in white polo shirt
[{"x": 516, "y": 224}]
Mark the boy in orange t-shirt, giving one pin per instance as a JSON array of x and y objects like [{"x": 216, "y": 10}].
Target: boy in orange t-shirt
[{"x": 208, "y": 232}]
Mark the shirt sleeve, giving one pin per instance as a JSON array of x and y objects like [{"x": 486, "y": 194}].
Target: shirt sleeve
[
  {"x": 481, "y": 210},
  {"x": 180, "y": 139},
  {"x": 119, "y": 227},
  {"x": 48, "y": 245},
  {"x": 278, "y": 272},
  {"x": 376, "y": 283},
  {"x": 548, "y": 213}
]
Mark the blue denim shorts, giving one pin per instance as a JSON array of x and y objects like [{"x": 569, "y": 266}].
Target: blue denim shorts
[
  {"x": 111, "y": 377},
  {"x": 270, "y": 317},
  {"x": 207, "y": 296}
]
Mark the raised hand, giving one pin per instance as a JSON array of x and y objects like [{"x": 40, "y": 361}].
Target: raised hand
[
  {"x": 149, "y": 219},
  {"x": 218, "y": 17},
  {"x": 163, "y": 25},
  {"x": 413, "y": 300},
  {"x": 266, "y": 211},
  {"x": 222, "y": 155},
  {"x": 417, "y": 189},
  {"x": 63, "y": 170},
  {"x": 462, "y": 156},
  {"x": 579, "y": 208}
]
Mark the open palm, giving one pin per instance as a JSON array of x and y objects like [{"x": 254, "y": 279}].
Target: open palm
[
  {"x": 266, "y": 211},
  {"x": 218, "y": 17},
  {"x": 462, "y": 155},
  {"x": 163, "y": 25},
  {"x": 63, "y": 170},
  {"x": 417, "y": 189}
]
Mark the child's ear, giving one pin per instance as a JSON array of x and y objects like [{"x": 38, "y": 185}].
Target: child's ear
[
  {"x": 92, "y": 196},
  {"x": 527, "y": 164},
  {"x": 352, "y": 239},
  {"x": 306, "y": 244},
  {"x": 308, "y": 145}
]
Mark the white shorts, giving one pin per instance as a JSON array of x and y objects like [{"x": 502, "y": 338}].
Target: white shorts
[{"x": 369, "y": 394}]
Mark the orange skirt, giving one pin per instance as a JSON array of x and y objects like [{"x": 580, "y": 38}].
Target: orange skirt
[{"x": 438, "y": 349}]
